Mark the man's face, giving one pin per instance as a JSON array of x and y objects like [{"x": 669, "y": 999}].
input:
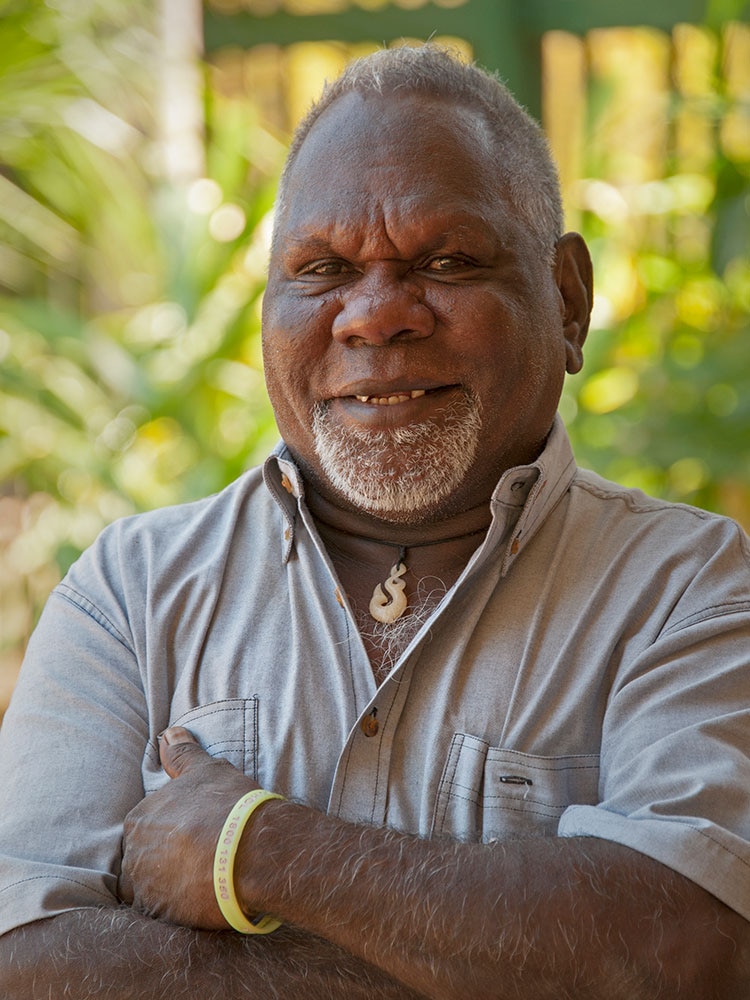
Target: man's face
[{"x": 414, "y": 333}]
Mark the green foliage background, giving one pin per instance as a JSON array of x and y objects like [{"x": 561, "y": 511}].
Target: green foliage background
[
  {"x": 664, "y": 399},
  {"x": 129, "y": 307}
]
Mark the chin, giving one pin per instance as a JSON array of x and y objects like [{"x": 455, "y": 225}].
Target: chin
[{"x": 404, "y": 475}]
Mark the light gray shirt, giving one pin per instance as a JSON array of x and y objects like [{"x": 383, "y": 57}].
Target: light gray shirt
[{"x": 587, "y": 675}]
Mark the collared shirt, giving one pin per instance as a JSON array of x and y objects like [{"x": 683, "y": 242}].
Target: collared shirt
[{"x": 586, "y": 675}]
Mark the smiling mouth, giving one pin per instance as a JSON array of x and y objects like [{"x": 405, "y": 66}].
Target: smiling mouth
[{"x": 391, "y": 400}]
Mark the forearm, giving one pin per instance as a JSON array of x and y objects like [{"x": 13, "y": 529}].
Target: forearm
[
  {"x": 121, "y": 955},
  {"x": 545, "y": 918}
]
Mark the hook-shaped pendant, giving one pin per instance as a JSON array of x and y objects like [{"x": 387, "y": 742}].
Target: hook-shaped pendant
[{"x": 388, "y": 609}]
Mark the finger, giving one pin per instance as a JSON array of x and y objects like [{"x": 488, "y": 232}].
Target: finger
[
  {"x": 125, "y": 889},
  {"x": 179, "y": 750}
]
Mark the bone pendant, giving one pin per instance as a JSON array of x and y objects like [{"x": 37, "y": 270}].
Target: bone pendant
[{"x": 388, "y": 609}]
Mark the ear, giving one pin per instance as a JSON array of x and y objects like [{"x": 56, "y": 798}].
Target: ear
[{"x": 574, "y": 277}]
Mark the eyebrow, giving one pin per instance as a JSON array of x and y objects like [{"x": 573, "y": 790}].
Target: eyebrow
[
  {"x": 306, "y": 240},
  {"x": 307, "y": 243}
]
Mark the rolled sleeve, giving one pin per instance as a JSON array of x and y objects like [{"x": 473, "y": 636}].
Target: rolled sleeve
[
  {"x": 675, "y": 766},
  {"x": 71, "y": 748}
]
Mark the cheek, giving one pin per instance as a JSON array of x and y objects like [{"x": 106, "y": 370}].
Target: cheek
[
  {"x": 288, "y": 375},
  {"x": 296, "y": 331},
  {"x": 295, "y": 341},
  {"x": 288, "y": 391},
  {"x": 479, "y": 311}
]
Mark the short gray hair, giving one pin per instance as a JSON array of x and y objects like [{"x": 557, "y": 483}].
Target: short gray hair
[{"x": 525, "y": 165}]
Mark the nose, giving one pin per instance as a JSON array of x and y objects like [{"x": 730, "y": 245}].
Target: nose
[{"x": 379, "y": 308}]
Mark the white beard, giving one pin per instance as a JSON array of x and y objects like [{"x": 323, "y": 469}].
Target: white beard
[{"x": 405, "y": 473}]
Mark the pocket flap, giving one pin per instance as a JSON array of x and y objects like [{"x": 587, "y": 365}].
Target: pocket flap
[
  {"x": 227, "y": 729},
  {"x": 488, "y": 793}
]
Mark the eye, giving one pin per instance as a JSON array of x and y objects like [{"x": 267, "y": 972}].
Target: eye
[
  {"x": 329, "y": 268},
  {"x": 448, "y": 263}
]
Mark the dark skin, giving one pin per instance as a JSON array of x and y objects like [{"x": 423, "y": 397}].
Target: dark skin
[
  {"x": 545, "y": 918},
  {"x": 392, "y": 272}
]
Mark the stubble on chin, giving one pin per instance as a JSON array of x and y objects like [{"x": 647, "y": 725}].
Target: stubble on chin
[{"x": 405, "y": 473}]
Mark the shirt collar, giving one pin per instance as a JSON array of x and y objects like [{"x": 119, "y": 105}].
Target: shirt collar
[
  {"x": 284, "y": 483},
  {"x": 526, "y": 494},
  {"x": 521, "y": 501}
]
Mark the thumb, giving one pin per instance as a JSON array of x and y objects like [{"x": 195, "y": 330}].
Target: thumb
[{"x": 179, "y": 751}]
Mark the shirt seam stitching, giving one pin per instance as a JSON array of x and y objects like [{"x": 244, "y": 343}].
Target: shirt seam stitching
[
  {"x": 60, "y": 878},
  {"x": 707, "y": 614},
  {"x": 380, "y": 764},
  {"x": 95, "y": 613},
  {"x": 446, "y": 782},
  {"x": 723, "y": 847}
]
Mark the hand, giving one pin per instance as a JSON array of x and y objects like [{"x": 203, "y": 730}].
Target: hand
[{"x": 170, "y": 837}]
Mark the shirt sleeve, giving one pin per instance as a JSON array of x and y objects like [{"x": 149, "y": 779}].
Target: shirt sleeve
[
  {"x": 675, "y": 765},
  {"x": 71, "y": 750}
]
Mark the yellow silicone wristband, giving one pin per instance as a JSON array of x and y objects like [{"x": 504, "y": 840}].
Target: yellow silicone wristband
[{"x": 226, "y": 852}]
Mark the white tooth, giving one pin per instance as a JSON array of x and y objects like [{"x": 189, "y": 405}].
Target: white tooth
[{"x": 390, "y": 400}]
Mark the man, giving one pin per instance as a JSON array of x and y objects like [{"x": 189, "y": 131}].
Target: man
[{"x": 502, "y": 698}]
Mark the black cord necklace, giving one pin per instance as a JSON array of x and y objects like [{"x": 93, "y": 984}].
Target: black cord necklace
[{"x": 388, "y": 601}]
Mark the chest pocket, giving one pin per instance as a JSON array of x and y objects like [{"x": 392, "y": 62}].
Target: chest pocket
[
  {"x": 489, "y": 793},
  {"x": 227, "y": 729}
]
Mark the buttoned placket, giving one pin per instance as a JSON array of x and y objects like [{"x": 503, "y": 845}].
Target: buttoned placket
[{"x": 360, "y": 787}]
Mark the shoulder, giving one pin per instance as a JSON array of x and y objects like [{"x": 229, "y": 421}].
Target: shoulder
[
  {"x": 674, "y": 538},
  {"x": 154, "y": 549},
  {"x": 197, "y": 523},
  {"x": 632, "y": 507}
]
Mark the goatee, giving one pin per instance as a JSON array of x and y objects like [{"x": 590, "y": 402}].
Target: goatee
[{"x": 406, "y": 473}]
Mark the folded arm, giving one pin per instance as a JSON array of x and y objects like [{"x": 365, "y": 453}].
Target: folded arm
[
  {"x": 549, "y": 918},
  {"x": 543, "y": 917},
  {"x": 118, "y": 954}
]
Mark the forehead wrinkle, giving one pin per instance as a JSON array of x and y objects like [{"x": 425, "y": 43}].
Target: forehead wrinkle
[
  {"x": 327, "y": 234},
  {"x": 385, "y": 229}
]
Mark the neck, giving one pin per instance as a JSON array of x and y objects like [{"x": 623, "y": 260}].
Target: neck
[
  {"x": 343, "y": 523},
  {"x": 394, "y": 574}
]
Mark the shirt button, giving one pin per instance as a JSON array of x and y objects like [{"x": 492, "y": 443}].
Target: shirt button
[
  {"x": 286, "y": 483},
  {"x": 370, "y": 725}
]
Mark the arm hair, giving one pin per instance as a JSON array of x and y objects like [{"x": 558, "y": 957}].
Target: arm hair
[
  {"x": 117, "y": 954},
  {"x": 544, "y": 918}
]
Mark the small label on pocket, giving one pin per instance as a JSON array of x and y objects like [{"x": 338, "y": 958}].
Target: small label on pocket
[{"x": 489, "y": 793}]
